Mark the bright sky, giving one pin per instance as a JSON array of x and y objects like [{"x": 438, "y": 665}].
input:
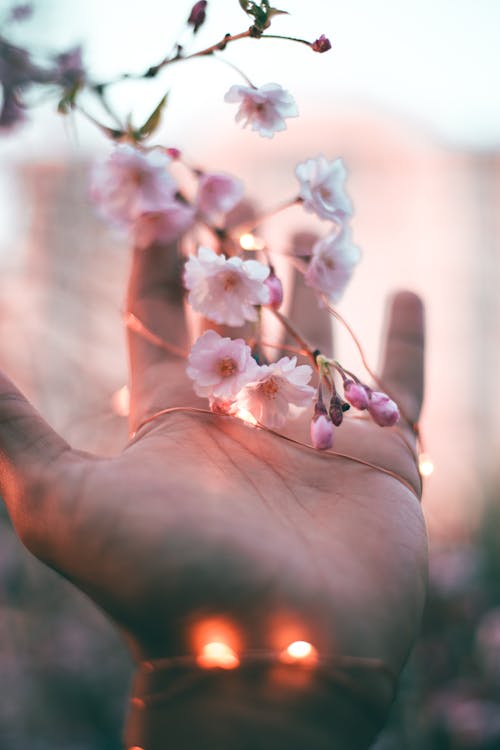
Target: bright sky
[{"x": 435, "y": 61}]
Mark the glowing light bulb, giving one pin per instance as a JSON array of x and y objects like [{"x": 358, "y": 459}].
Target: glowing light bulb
[
  {"x": 248, "y": 241},
  {"x": 217, "y": 654},
  {"x": 120, "y": 401},
  {"x": 425, "y": 465},
  {"x": 300, "y": 651}
]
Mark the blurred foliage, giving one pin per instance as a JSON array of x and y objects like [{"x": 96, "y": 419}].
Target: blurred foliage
[
  {"x": 450, "y": 691},
  {"x": 65, "y": 672}
]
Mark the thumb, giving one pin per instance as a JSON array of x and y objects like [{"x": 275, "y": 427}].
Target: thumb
[{"x": 29, "y": 449}]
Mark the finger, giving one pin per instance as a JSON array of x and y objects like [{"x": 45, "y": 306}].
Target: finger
[
  {"x": 156, "y": 328},
  {"x": 28, "y": 447},
  {"x": 313, "y": 321},
  {"x": 403, "y": 368}
]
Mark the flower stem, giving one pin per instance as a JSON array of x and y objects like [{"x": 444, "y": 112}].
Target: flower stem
[
  {"x": 287, "y": 38},
  {"x": 249, "y": 226},
  {"x": 290, "y": 328}
]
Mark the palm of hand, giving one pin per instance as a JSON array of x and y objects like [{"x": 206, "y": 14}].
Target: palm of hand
[{"x": 203, "y": 516}]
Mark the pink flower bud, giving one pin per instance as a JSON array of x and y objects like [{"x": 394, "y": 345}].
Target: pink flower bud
[
  {"x": 197, "y": 15},
  {"x": 21, "y": 12},
  {"x": 275, "y": 291},
  {"x": 336, "y": 411},
  {"x": 383, "y": 410},
  {"x": 321, "y": 433},
  {"x": 174, "y": 153},
  {"x": 322, "y": 44},
  {"x": 356, "y": 394}
]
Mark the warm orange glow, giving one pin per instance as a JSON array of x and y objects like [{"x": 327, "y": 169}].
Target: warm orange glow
[
  {"x": 217, "y": 654},
  {"x": 299, "y": 651},
  {"x": 425, "y": 465},
  {"x": 249, "y": 242},
  {"x": 216, "y": 642},
  {"x": 245, "y": 416},
  {"x": 120, "y": 401}
]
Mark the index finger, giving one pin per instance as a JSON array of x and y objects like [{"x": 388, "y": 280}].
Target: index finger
[{"x": 403, "y": 362}]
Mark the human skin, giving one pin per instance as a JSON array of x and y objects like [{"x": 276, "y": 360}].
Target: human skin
[{"x": 203, "y": 519}]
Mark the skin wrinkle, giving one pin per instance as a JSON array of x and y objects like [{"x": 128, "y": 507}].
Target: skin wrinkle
[
  {"x": 307, "y": 544},
  {"x": 300, "y": 537},
  {"x": 239, "y": 470}
]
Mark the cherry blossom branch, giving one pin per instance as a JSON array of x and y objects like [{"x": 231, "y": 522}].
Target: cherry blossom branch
[
  {"x": 287, "y": 38},
  {"x": 249, "y": 226},
  {"x": 153, "y": 71},
  {"x": 414, "y": 425},
  {"x": 290, "y": 328}
]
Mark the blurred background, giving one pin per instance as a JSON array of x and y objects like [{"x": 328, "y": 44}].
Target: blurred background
[{"x": 409, "y": 97}]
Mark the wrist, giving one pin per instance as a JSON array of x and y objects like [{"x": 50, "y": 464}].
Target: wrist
[{"x": 258, "y": 706}]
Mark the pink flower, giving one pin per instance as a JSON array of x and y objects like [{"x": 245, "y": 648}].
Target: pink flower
[
  {"x": 383, "y": 410},
  {"x": 225, "y": 290},
  {"x": 268, "y": 396},
  {"x": 218, "y": 193},
  {"x": 322, "y": 188},
  {"x": 220, "y": 367},
  {"x": 321, "y": 433},
  {"x": 162, "y": 227},
  {"x": 332, "y": 264},
  {"x": 263, "y": 108},
  {"x": 275, "y": 287},
  {"x": 130, "y": 183},
  {"x": 356, "y": 394}
]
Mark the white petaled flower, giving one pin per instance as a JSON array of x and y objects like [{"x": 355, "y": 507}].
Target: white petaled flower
[
  {"x": 220, "y": 367},
  {"x": 269, "y": 396},
  {"x": 225, "y": 290},
  {"x": 131, "y": 182},
  {"x": 218, "y": 193},
  {"x": 264, "y": 108},
  {"x": 162, "y": 227},
  {"x": 322, "y": 188},
  {"x": 332, "y": 264}
]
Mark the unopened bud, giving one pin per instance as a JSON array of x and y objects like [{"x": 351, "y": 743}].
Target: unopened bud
[
  {"x": 322, "y": 44},
  {"x": 275, "y": 291},
  {"x": 174, "y": 153},
  {"x": 336, "y": 411},
  {"x": 356, "y": 394},
  {"x": 321, "y": 433},
  {"x": 21, "y": 12},
  {"x": 383, "y": 410},
  {"x": 197, "y": 15}
]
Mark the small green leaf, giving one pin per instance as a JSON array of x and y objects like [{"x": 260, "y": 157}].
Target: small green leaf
[
  {"x": 153, "y": 120},
  {"x": 277, "y": 12},
  {"x": 244, "y": 5}
]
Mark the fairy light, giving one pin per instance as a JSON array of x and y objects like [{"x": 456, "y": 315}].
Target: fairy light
[
  {"x": 217, "y": 654},
  {"x": 299, "y": 651},
  {"x": 120, "y": 401},
  {"x": 425, "y": 465},
  {"x": 246, "y": 416},
  {"x": 249, "y": 241}
]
